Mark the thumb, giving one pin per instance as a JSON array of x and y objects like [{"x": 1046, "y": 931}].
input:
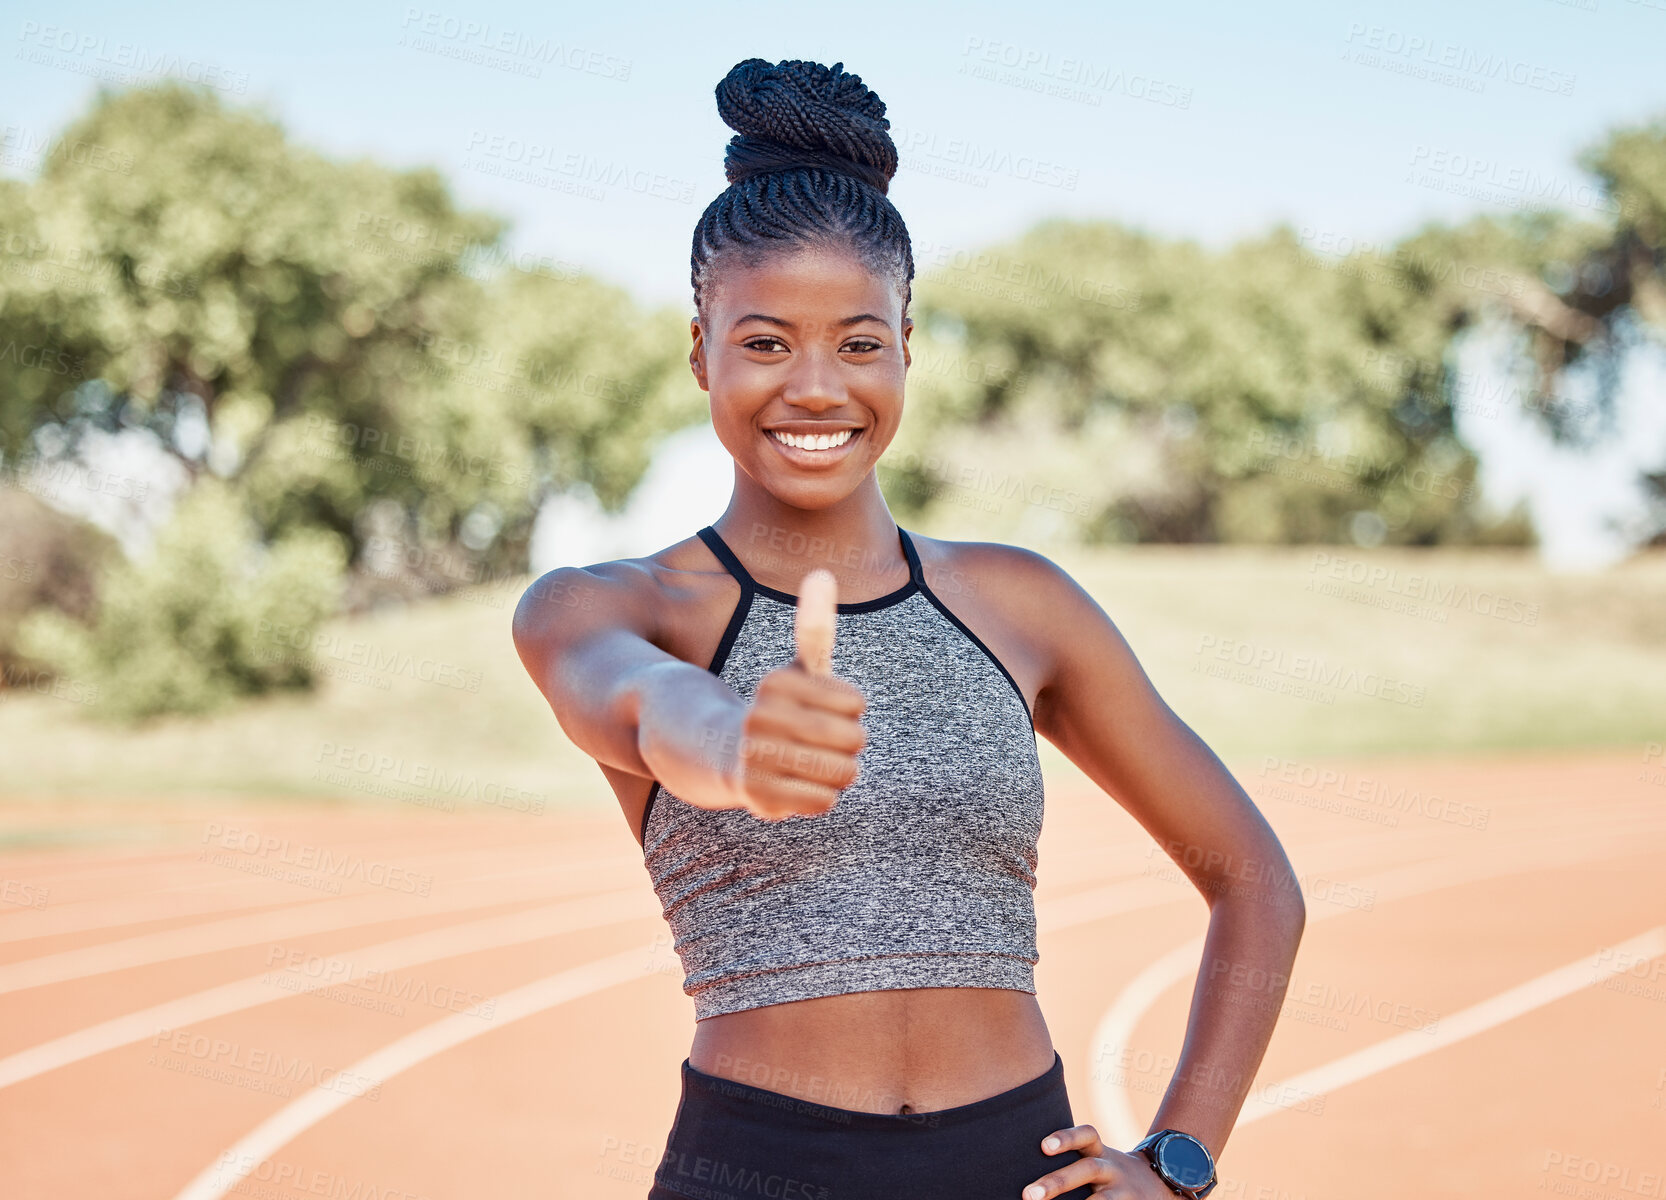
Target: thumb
[{"x": 813, "y": 621}]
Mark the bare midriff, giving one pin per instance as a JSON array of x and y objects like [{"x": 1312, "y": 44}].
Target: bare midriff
[{"x": 902, "y": 1051}]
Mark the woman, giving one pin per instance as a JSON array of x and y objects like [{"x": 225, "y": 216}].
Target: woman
[{"x": 847, "y": 860}]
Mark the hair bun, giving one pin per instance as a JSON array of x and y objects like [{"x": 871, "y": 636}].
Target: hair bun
[{"x": 797, "y": 113}]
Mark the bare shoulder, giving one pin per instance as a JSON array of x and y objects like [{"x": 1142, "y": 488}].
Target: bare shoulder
[
  {"x": 1020, "y": 581},
  {"x": 1020, "y": 601},
  {"x": 641, "y": 595}
]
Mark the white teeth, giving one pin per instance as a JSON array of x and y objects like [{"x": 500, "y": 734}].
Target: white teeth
[{"x": 819, "y": 441}]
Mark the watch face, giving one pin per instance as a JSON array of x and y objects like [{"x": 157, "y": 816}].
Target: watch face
[{"x": 1184, "y": 1160}]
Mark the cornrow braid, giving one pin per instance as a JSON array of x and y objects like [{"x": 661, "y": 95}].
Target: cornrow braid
[{"x": 809, "y": 165}]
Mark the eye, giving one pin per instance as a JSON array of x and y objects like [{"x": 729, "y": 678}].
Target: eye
[
  {"x": 764, "y": 343},
  {"x": 864, "y": 346}
]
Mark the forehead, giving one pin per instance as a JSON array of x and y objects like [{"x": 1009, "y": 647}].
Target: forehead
[{"x": 811, "y": 284}]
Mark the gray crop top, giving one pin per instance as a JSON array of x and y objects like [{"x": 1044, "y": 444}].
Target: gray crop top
[{"x": 922, "y": 875}]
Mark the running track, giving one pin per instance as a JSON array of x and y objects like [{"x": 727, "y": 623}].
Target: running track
[{"x": 281, "y": 1003}]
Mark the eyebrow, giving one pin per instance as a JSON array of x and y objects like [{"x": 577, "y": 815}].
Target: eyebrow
[{"x": 784, "y": 324}]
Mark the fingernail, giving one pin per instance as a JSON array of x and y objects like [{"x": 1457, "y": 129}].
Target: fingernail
[
  {"x": 1034, "y": 1193},
  {"x": 1050, "y": 1144}
]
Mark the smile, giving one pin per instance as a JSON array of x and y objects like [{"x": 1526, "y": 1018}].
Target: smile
[{"x": 818, "y": 441}]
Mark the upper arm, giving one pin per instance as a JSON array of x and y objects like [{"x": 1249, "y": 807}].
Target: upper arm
[
  {"x": 1098, "y": 706},
  {"x": 584, "y": 634}
]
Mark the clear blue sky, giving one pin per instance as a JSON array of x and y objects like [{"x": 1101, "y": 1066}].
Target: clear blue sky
[{"x": 1204, "y": 120}]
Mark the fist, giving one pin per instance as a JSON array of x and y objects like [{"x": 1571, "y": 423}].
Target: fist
[{"x": 801, "y": 734}]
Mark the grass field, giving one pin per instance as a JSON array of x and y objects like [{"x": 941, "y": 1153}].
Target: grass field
[{"x": 1288, "y": 652}]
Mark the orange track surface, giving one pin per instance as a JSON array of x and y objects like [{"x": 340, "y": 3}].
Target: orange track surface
[{"x": 1417, "y": 911}]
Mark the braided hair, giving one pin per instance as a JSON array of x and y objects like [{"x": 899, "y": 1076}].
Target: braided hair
[{"x": 808, "y": 167}]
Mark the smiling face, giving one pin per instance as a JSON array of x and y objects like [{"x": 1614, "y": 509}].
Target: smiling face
[{"x": 804, "y": 356}]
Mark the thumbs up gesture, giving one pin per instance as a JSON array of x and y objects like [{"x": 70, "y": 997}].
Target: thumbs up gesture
[{"x": 801, "y": 734}]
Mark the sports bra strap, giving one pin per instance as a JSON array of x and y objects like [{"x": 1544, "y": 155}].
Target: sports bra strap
[
  {"x": 727, "y": 557},
  {"x": 915, "y": 571}
]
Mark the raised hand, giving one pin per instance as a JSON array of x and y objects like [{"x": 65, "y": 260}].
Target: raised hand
[{"x": 801, "y": 734}]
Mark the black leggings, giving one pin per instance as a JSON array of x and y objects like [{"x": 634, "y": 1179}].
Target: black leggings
[{"x": 733, "y": 1141}]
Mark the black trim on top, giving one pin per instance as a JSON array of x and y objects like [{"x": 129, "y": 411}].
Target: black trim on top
[
  {"x": 738, "y": 618},
  {"x": 919, "y": 574},
  {"x": 712, "y": 538}
]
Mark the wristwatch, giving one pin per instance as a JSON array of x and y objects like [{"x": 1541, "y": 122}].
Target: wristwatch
[{"x": 1181, "y": 1161}]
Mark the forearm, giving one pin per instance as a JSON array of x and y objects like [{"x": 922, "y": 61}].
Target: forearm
[
  {"x": 1247, "y": 956},
  {"x": 688, "y": 726}
]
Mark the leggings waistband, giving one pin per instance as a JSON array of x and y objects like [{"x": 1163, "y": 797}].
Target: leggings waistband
[{"x": 714, "y": 1087}]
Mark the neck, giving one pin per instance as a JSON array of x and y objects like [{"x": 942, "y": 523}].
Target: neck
[{"x": 855, "y": 538}]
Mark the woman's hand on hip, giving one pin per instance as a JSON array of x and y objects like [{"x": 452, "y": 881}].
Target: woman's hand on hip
[{"x": 1113, "y": 1174}]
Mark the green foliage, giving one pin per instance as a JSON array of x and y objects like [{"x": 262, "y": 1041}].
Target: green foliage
[
  {"x": 332, "y": 348},
  {"x": 47, "y": 559},
  {"x": 1254, "y": 395},
  {"x": 340, "y": 327},
  {"x": 211, "y": 614}
]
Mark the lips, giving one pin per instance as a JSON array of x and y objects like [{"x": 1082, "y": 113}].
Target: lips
[{"x": 811, "y": 435}]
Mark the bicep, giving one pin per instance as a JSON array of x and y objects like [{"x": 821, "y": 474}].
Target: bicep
[
  {"x": 584, "y": 639},
  {"x": 1103, "y": 713}
]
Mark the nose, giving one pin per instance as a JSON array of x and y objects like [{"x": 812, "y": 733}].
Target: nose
[{"x": 814, "y": 383}]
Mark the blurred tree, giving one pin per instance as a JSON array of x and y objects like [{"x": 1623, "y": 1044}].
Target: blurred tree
[
  {"x": 338, "y": 342},
  {"x": 47, "y": 559},
  {"x": 1252, "y": 395},
  {"x": 1582, "y": 294},
  {"x": 212, "y": 613}
]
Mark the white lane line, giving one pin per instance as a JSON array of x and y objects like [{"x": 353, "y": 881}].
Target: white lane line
[
  {"x": 214, "y": 896},
  {"x": 1115, "y": 1031},
  {"x": 298, "y": 920},
  {"x": 1584, "y": 972},
  {"x": 245, "y": 1157},
  {"x": 344, "y": 966},
  {"x": 1111, "y": 1107},
  {"x": 289, "y": 1122}
]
